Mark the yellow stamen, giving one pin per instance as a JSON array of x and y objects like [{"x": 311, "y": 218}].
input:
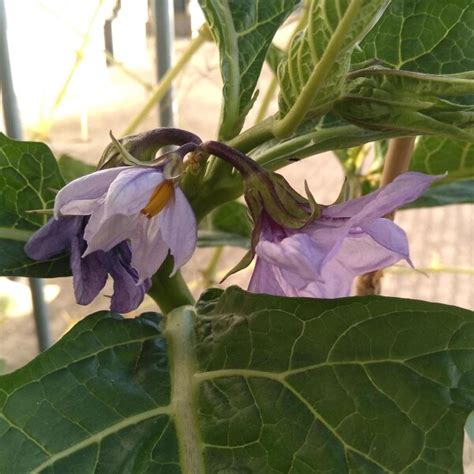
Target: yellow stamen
[{"x": 158, "y": 200}]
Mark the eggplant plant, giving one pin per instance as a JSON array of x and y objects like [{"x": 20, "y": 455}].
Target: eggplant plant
[{"x": 292, "y": 374}]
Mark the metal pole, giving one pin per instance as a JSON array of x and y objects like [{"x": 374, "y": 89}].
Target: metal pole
[
  {"x": 14, "y": 130},
  {"x": 163, "y": 21}
]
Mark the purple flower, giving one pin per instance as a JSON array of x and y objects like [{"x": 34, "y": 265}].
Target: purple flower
[
  {"x": 321, "y": 259},
  {"x": 122, "y": 221}
]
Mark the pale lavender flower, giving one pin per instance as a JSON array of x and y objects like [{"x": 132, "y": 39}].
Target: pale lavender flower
[
  {"x": 134, "y": 217},
  {"x": 322, "y": 258},
  {"x": 90, "y": 272}
]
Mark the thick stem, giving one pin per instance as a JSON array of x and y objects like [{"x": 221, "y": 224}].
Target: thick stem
[
  {"x": 209, "y": 273},
  {"x": 169, "y": 292},
  {"x": 253, "y": 136},
  {"x": 397, "y": 161},
  {"x": 237, "y": 159},
  {"x": 398, "y": 158},
  {"x": 267, "y": 98},
  {"x": 162, "y": 87},
  {"x": 290, "y": 122}
]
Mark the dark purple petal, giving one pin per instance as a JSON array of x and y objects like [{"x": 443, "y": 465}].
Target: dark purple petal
[
  {"x": 128, "y": 295},
  {"x": 53, "y": 238},
  {"x": 89, "y": 273}
]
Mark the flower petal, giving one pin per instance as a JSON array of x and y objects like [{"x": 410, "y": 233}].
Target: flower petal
[
  {"x": 297, "y": 253},
  {"x": 53, "y": 238},
  {"x": 404, "y": 189},
  {"x": 389, "y": 235},
  {"x": 128, "y": 295},
  {"x": 89, "y": 273},
  {"x": 179, "y": 229},
  {"x": 102, "y": 233},
  {"x": 91, "y": 186},
  {"x": 362, "y": 254},
  {"x": 84, "y": 207},
  {"x": 148, "y": 249},
  {"x": 131, "y": 191},
  {"x": 264, "y": 280}
]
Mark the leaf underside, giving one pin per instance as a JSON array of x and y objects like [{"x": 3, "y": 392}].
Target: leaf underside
[
  {"x": 243, "y": 30},
  {"x": 280, "y": 385}
]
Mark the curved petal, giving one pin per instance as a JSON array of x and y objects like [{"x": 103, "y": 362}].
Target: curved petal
[
  {"x": 404, "y": 189},
  {"x": 389, "y": 235},
  {"x": 264, "y": 280},
  {"x": 103, "y": 233},
  {"x": 53, "y": 238},
  {"x": 363, "y": 254},
  {"x": 128, "y": 294},
  {"x": 84, "y": 207},
  {"x": 148, "y": 249},
  {"x": 91, "y": 186},
  {"x": 131, "y": 191},
  {"x": 89, "y": 273},
  {"x": 336, "y": 282},
  {"x": 297, "y": 254},
  {"x": 179, "y": 229}
]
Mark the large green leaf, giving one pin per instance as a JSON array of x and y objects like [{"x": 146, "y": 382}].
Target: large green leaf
[
  {"x": 308, "y": 48},
  {"x": 73, "y": 168},
  {"x": 243, "y": 30},
  {"x": 98, "y": 401},
  {"x": 29, "y": 181},
  {"x": 435, "y": 155},
  {"x": 431, "y": 36},
  {"x": 251, "y": 383},
  {"x": 14, "y": 262}
]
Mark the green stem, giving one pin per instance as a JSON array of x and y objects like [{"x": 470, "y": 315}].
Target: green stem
[
  {"x": 162, "y": 87},
  {"x": 209, "y": 273},
  {"x": 219, "y": 180},
  {"x": 267, "y": 98},
  {"x": 300, "y": 108},
  {"x": 169, "y": 292},
  {"x": 253, "y": 136},
  {"x": 318, "y": 141}
]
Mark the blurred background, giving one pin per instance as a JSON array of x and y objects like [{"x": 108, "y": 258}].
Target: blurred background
[{"x": 83, "y": 68}]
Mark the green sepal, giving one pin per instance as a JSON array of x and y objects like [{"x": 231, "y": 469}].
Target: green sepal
[{"x": 270, "y": 193}]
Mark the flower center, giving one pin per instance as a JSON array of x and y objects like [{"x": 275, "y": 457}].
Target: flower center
[{"x": 158, "y": 200}]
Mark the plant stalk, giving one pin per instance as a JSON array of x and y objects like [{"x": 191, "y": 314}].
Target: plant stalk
[
  {"x": 290, "y": 122},
  {"x": 267, "y": 98},
  {"x": 209, "y": 273},
  {"x": 169, "y": 292},
  {"x": 270, "y": 92}
]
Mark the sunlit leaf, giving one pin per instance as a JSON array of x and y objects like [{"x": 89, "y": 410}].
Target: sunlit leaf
[{"x": 249, "y": 383}]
